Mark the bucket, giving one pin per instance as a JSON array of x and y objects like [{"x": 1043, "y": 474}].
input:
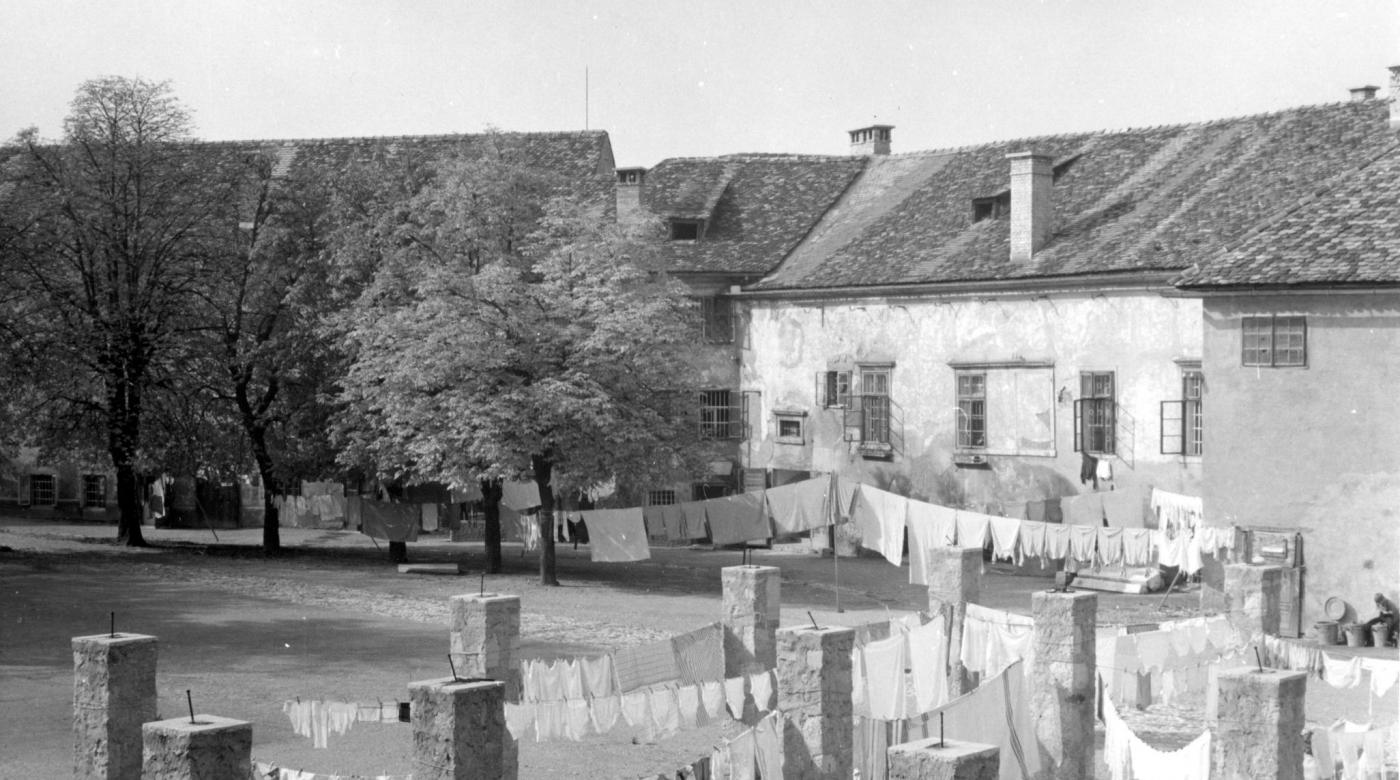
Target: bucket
[
  {"x": 1327, "y": 632},
  {"x": 1358, "y": 635},
  {"x": 1380, "y": 634}
]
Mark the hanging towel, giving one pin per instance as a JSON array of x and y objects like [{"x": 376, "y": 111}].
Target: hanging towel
[
  {"x": 930, "y": 526},
  {"x": 737, "y": 519},
  {"x": 605, "y": 711},
  {"x": 549, "y": 721},
  {"x": 1123, "y": 507},
  {"x": 688, "y": 704},
  {"x": 800, "y": 506},
  {"x": 1056, "y": 541},
  {"x": 1032, "y": 541},
  {"x": 997, "y": 712},
  {"x": 1082, "y": 540},
  {"x": 761, "y": 689},
  {"x": 636, "y": 709},
  {"x": 928, "y": 665},
  {"x": 1104, "y": 469},
  {"x": 665, "y": 713},
  {"x": 1083, "y": 509},
  {"x": 700, "y": 654},
  {"x": 859, "y": 705},
  {"x": 577, "y": 719},
  {"x": 617, "y": 535},
  {"x": 768, "y": 746},
  {"x": 845, "y": 491},
  {"x": 1137, "y": 547},
  {"x": 392, "y": 522},
  {"x": 1340, "y": 673},
  {"x": 1110, "y": 544},
  {"x": 520, "y": 496},
  {"x": 734, "y": 696},
  {"x": 884, "y": 678},
  {"x": 1006, "y": 531},
  {"x": 693, "y": 512},
  {"x": 712, "y": 698},
  {"x": 973, "y": 529},
  {"x": 673, "y": 520},
  {"x": 654, "y": 522},
  {"x": 1384, "y": 674},
  {"x": 597, "y": 673},
  {"x": 880, "y": 516}
]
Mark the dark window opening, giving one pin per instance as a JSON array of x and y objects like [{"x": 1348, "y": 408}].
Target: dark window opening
[
  {"x": 94, "y": 491},
  {"x": 42, "y": 490},
  {"x": 685, "y": 230},
  {"x": 990, "y": 208},
  {"x": 1095, "y": 413},
  {"x": 834, "y": 389},
  {"x": 717, "y": 319}
]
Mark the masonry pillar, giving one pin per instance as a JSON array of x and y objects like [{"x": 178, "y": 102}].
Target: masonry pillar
[
  {"x": 485, "y": 638},
  {"x": 927, "y": 759},
  {"x": 459, "y": 730},
  {"x": 1258, "y": 724},
  {"x": 954, "y": 580},
  {"x": 1252, "y": 598},
  {"x": 750, "y": 617},
  {"x": 1062, "y": 682},
  {"x": 114, "y": 692},
  {"x": 206, "y": 748},
  {"x": 814, "y": 695}
]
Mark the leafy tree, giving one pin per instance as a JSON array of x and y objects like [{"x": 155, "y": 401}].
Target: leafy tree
[
  {"x": 109, "y": 234},
  {"x": 508, "y": 335}
]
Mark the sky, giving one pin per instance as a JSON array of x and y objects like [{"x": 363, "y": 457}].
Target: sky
[{"x": 673, "y": 79}]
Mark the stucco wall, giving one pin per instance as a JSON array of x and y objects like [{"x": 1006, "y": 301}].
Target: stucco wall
[
  {"x": 1139, "y": 335},
  {"x": 1314, "y": 448}
]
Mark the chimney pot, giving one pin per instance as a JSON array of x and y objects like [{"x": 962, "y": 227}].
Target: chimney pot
[
  {"x": 871, "y": 140},
  {"x": 1032, "y": 203},
  {"x": 1367, "y": 92}
]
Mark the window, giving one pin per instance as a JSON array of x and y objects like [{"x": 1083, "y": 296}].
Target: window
[
  {"x": 1182, "y": 421},
  {"x": 834, "y": 388},
  {"x": 685, "y": 229},
  {"x": 1275, "y": 341},
  {"x": 990, "y": 208},
  {"x": 717, "y": 319},
  {"x": 1095, "y": 413},
  {"x": 875, "y": 392},
  {"x": 972, "y": 410},
  {"x": 42, "y": 490},
  {"x": 94, "y": 491},
  {"x": 790, "y": 427},
  {"x": 719, "y": 417},
  {"x": 661, "y": 497}
]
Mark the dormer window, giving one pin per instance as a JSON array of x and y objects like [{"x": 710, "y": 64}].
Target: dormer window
[
  {"x": 685, "y": 229},
  {"x": 990, "y": 208}
]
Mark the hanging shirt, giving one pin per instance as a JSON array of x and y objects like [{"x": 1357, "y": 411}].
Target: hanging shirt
[
  {"x": 1137, "y": 547},
  {"x": 737, "y": 519},
  {"x": 884, "y": 678},
  {"x": 605, "y": 710},
  {"x": 673, "y": 521},
  {"x": 1056, "y": 541},
  {"x": 1110, "y": 545},
  {"x": 1032, "y": 540},
  {"x": 693, "y": 513},
  {"x": 973, "y": 529},
  {"x": 928, "y": 664},
  {"x": 880, "y": 517},
  {"x": 1005, "y": 533},
  {"x": 617, "y": 535},
  {"x": 800, "y": 506},
  {"x": 930, "y": 526},
  {"x": 993, "y": 640},
  {"x": 1082, "y": 540}
]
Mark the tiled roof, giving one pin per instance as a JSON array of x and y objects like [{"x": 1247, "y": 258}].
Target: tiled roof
[
  {"x": 1158, "y": 198},
  {"x": 1348, "y": 233},
  {"x": 756, "y": 207}
]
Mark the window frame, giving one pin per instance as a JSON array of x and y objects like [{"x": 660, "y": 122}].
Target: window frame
[
  {"x": 100, "y": 501},
  {"x": 1192, "y": 419},
  {"x": 1096, "y": 410},
  {"x": 794, "y": 417},
  {"x": 834, "y": 389},
  {"x": 875, "y": 413},
  {"x": 721, "y": 417},
  {"x": 717, "y": 319},
  {"x": 971, "y": 408},
  {"x": 1260, "y": 337},
  {"x": 676, "y": 227},
  {"x": 52, "y": 489}
]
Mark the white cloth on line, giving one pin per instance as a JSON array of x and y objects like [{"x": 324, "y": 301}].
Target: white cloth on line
[
  {"x": 800, "y": 506},
  {"x": 930, "y": 526},
  {"x": 1006, "y": 531},
  {"x": 997, "y": 712},
  {"x": 928, "y": 664},
  {"x": 973, "y": 529},
  {"x": 1056, "y": 541},
  {"x": 761, "y": 689},
  {"x": 617, "y": 535},
  {"x": 880, "y": 516},
  {"x": 884, "y": 677},
  {"x": 1032, "y": 540},
  {"x": 520, "y": 496},
  {"x": 993, "y": 640}
]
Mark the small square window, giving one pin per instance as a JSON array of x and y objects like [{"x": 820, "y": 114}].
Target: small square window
[
  {"x": 790, "y": 428},
  {"x": 685, "y": 229}
]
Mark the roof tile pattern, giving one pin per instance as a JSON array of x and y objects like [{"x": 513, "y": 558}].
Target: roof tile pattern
[
  {"x": 1348, "y": 233},
  {"x": 757, "y": 207},
  {"x": 1158, "y": 198}
]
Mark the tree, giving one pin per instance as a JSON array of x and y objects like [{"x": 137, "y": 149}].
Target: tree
[
  {"x": 110, "y": 231},
  {"x": 555, "y": 355}
]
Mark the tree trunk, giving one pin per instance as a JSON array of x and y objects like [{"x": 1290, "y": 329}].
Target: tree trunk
[
  {"x": 123, "y": 437},
  {"x": 491, "y": 510},
  {"x": 272, "y": 536},
  {"x": 398, "y": 552},
  {"x": 129, "y": 504},
  {"x": 543, "y": 468}
]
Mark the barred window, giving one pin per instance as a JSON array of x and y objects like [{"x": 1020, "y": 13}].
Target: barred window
[
  {"x": 720, "y": 418},
  {"x": 661, "y": 497},
  {"x": 94, "y": 491},
  {"x": 42, "y": 490},
  {"x": 1095, "y": 413}
]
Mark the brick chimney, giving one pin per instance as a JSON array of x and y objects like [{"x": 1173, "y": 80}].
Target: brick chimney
[
  {"x": 867, "y": 141},
  {"x": 629, "y": 194},
  {"x": 1395, "y": 98},
  {"x": 1367, "y": 92},
  {"x": 1032, "y": 204}
]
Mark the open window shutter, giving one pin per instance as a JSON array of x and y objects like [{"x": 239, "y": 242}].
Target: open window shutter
[
  {"x": 1173, "y": 427},
  {"x": 1111, "y": 410}
]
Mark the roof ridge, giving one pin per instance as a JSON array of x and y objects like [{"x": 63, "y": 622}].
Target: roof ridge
[{"x": 368, "y": 139}]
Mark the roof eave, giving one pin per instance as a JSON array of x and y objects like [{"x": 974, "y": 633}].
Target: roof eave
[
  {"x": 1303, "y": 288},
  {"x": 1158, "y": 281}
]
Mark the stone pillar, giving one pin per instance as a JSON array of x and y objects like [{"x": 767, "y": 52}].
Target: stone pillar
[
  {"x": 954, "y": 581},
  {"x": 925, "y": 759},
  {"x": 814, "y": 695},
  {"x": 750, "y": 617},
  {"x": 459, "y": 730},
  {"x": 1062, "y": 682},
  {"x": 207, "y": 748},
  {"x": 485, "y": 639},
  {"x": 1258, "y": 726},
  {"x": 114, "y": 692},
  {"x": 1252, "y": 598}
]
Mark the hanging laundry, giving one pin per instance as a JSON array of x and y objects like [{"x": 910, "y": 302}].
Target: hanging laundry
[
  {"x": 693, "y": 513},
  {"x": 737, "y": 519},
  {"x": 673, "y": 520},
  {"x": 930, "y": 526},
  {"x": 1110, "y": 546},
  {"x": 735, "y": 690},
  {"x": 859, "y": 686},
  {"x": 884, "y": 677},
  {"x": 880, "y": 517},
  {"x": 1341, "y": 673},
  {"x": 928, "y": 664},
  {"x": 1143, "y": 762},
  {"x": 1032, "y": 541},
  {"x": 641, "y": 665},
  {"x": 1103, "y": 470},
  {"x": 617, "y": 535},
  {"x": 712, "y": 698},
  {"x": 1083, "y": 509},
  {"x": 1006, "y": 531},
  {"x": 845, "y": 491},
  {"x": 1083, "y": 539},
  {"x": 428, "y": 516},
  {"x": 392, "y": 522},
  {"x": 761, "y": 689},
  {"x": 741, "y": 757},
  {"x": 1137, "y": 547},
  {"x": 1056, "y": 541},
  {"x": 993, "y": 640},
  {"x": 768, "y": 746},
  {"x": 688, "y": 705},
  {"x": 636, "y": 710},
  {"x": 700, "y": 654},
  {"x": 973, "y": 529},
  {"x": 1384, "y": 674},
  {"x": 665, "y": 714},
  {"x": 578, "y": 719},
  {"x": 549, "y": 720},
  {"x": 800, "y": 506},
  {"x": 997, "y": 712},
  {"x": 570, "y": 678},
  {"x": 597, "y": 673},
  {"x": 520, "y": 496}
]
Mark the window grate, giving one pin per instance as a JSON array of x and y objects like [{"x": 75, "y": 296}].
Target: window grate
[
  {"x": 94, "y": 491},
  {"x": 42, "y": 490}
]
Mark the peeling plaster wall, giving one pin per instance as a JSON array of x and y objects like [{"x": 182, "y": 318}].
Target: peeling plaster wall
[
  {"x": 1315, "y": 449},
  {"x": 1138, "y": 335}
]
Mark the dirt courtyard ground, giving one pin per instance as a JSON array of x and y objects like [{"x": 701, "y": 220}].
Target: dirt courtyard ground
[{"x": 333, "y": 620}]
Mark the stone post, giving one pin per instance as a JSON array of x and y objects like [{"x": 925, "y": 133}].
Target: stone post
[
  {"x": 1258, "y": 726},
  {"x": 926, "y": 759},
  {"x": 207, "y": 748},
  {"x": 459, "y": 730},
  {"x": 954, "y": 581},
  {"x": 485, "y": 638},
  {"x": 814, "y": 695},
  {"x": 1252, "y": 598},
  {"x": 750, "y": 617},
  {"x": 1062, "y": 682},
  {"x": 114, "y": 692}
]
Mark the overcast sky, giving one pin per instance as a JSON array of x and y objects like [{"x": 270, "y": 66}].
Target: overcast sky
[{"x": 670, "y": 79}]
